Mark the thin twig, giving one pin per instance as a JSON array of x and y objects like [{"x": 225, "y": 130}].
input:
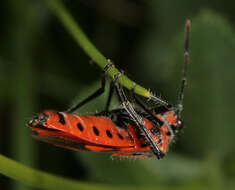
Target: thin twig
[{"x": 77, "y": 33}]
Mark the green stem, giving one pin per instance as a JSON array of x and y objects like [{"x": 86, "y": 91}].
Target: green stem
[
  {"x": 74, "y": 29},
  {"x": 46, "y": 181},
  {"x": 43, "y": 180}
]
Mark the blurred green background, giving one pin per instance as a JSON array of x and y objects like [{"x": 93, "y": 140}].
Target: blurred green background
[{"x": 42, "y": 67}]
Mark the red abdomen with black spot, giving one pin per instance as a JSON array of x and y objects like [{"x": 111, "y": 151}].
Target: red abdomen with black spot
[{"x": 97, "y": 133}]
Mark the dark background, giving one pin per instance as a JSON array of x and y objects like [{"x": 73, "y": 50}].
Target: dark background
[{"x": 42, "y": 67}]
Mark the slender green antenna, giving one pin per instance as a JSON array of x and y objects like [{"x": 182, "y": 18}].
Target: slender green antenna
[{"x": 186, "y": 62}]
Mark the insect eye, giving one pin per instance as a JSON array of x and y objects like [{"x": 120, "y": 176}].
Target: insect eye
[
  {"x": 42, "y": 117},
  {"x": 178, "y": 125}
]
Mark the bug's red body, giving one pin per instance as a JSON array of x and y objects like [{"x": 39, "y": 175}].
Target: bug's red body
[
  {"x": 99, "y": 133},
  {"x": 122, "y": 132}
]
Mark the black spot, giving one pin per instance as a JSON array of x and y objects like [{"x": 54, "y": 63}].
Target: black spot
[
  {"x": 168, "y": 133},
  {"x": 120, "y": 136},
  {"x": 139, "y": 136},
  {"x": 159, "y": 122},
  {"x": 62, "y": 121},
  {"x": 159, "y": 141},
  {"x": 143, "y": 145},
  {"x": 109, "y": 134},
  {"x": 173, "y": 127},
  {"x": 96, "y": 131},
  {"x": 80, "y": 127}
]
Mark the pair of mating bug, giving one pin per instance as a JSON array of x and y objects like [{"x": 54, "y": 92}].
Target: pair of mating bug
[{"x": 128, "y": 131}]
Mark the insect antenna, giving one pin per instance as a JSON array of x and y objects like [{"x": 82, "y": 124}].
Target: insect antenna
[{"x": 179, "y": 107}]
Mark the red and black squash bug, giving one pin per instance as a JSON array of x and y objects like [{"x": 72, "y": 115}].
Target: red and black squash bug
[{"x": 128, "y": 131}]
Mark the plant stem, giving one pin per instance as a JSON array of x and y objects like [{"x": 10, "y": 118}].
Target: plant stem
[
  {"x": 43, "y": 180},
  {"x": 75, "y": 30}
]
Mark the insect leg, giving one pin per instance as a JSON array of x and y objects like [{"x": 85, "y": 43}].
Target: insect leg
[
  {"x": 111, "y": 89},
  {"x": 151, "y": 113},
  {"x": 136, "y": 118},
  {"x": 96, "y": 93}
]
